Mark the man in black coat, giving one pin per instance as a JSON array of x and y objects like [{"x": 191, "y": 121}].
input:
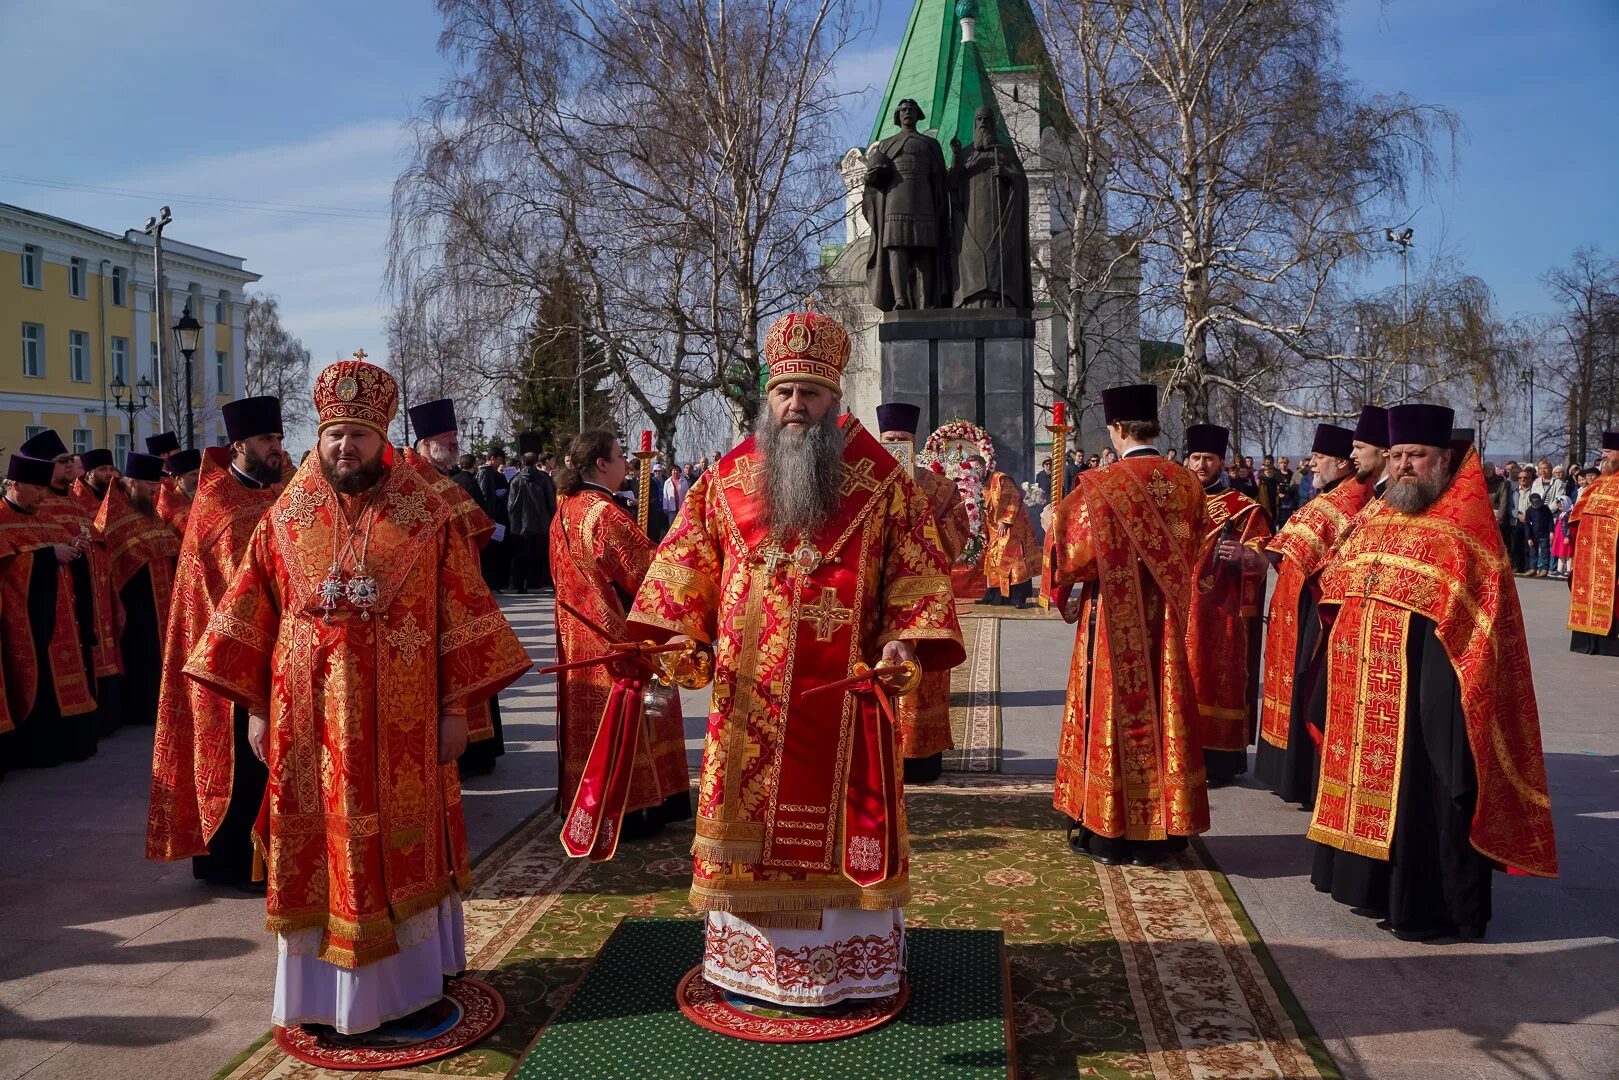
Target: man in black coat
[
  {"x": 531, "y": 504},
  {"x": 494, "y": 488}
]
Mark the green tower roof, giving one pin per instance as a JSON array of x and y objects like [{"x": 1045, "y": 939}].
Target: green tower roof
[
  {"x": 968, "y": 88},
  {"x": 930, "y": 63}
]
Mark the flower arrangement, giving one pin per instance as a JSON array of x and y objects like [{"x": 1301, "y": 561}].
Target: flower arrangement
[
  {"x": 1033, "y": 493},
  {"x": 946, "y": 453}
]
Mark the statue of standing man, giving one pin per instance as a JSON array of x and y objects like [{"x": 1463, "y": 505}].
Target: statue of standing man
[
  {"x": 907, "y": 205},
  {"x": 990, "y": 214}
]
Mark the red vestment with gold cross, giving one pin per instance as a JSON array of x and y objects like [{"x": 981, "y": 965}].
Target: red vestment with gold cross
[
  {"x": 173, "y": 506},
  {"x": 1448, "y": 565},
  {"x": 72, "y": 514},
  {"x": 1011, "y": 551},
  {"x": 193, "y": 751},
  {"x": 775, "y": 838},
  {"x": 1306, "y": 542},
  {"x": 1224, "y": 621},
  {"x": 25, "y": 538},
  {"x": 1595, "y": 570},
  {"x": 136, "y": 542},
  {"x": 361, "y": 827},
  {"x": 1129, "y": 758},
  {"x": 599, "y": 557},
  {"x": 924, "y": 714}
]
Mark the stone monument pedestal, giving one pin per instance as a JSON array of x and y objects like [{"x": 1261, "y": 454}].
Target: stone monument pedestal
[{"x": 970, "y": 364}]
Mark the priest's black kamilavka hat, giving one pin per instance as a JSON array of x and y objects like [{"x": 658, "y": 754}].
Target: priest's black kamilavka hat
[
  {"x": 432, "y": 418},
  {"x": 183, "y": 462},
  {"x": 898, "y": 416},
  {"x": 1208, "y": 439},
  {"x": 1332, "y": 440},
  {"x": 46, "y": 446},
  {"x": 1121, "y": 404},
  {"x": 1463, "y": 437},
  {"x": 143, "y": 466},
  {"x": 250, "y": 416},
  {"x": 23, "y": 469},
  {"x": 1421, "y": 424},
  {"x": 1610, "y": 440},
  {"x": 1373, "y": 426},
  {"x": 94, "y": 459},
  {"x": 164, "y": 442}
]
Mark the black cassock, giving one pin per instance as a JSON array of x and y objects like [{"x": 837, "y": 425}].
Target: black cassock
[
  {"x": 1293, "y": 773},
  {"x": 142, "y": 649},
  {"x": 230, "y": 853},
  {"x": 45, "y": 736},
  {"x": 1434, "y": 880}
]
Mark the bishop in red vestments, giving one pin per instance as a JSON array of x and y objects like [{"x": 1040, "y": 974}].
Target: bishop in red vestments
[
  {"x": 1011, "y": 552},
  {"x": 207, "y": 784},
  {"x": 804, "y": 557},
  {"x": 1130, "y": 758},
  {"x": 1223, "y": 629},
  {"x": 357, "y": 632},
  {"x": 599, "y": 559},
  {"x": 924, "y": 716}
]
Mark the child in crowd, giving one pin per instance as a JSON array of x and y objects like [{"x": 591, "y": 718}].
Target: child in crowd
[
  {"x": 1562, "y": 543},
  {"x": 1537, "y": 531}
]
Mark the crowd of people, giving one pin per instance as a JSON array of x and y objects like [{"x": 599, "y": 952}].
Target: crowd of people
[{"x": 330, "y": 655}]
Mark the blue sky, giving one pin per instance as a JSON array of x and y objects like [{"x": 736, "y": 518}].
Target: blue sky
[{"x": 297, "y": 102}]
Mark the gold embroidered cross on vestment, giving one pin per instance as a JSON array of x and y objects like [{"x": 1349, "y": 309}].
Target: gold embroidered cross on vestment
[{"x": 827, "y": 614}]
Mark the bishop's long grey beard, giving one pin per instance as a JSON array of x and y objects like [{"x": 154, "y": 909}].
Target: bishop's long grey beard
[
  {"x": 803, "y": 473},
  {"x": 1410, "y": 495}
]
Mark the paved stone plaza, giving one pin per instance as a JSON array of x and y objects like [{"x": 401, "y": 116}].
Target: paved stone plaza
[{"x": 114, "y": 967}]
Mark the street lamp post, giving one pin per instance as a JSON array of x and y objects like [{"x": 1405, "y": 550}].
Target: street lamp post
[
  {"x": 140, "y": 395},
  {"x": 1529, "y": 440},
  {"x": 154, "y": 229},
  {"x": 186, "y": 332},
  {"x": 1402, "y": 240},
  {"x": 1479, "y": 413}
]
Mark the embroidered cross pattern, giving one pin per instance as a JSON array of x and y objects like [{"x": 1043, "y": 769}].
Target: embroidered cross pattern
[
  {"x": 407, "y": 636},
  {"x": 745, "y": 477},
  {"x": 859, "y": 477},
  {"x": 408, "y": 510},
  {"x": 301, "y": 506},
  {"x": 827, "y": 614},
  {"x": 865, "y": 853},
  {"x": 1160, "y": 488}
]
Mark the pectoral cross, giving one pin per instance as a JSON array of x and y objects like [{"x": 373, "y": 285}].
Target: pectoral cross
[{"x": 772, "y": 555}]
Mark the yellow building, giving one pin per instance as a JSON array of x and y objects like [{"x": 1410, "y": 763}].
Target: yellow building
[{"x": 76, "y": 318}]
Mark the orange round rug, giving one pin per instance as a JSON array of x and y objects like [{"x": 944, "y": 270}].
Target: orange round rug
[
  {"x": 480, "y": 1010},
  {"x": 706, "y": 1006}
]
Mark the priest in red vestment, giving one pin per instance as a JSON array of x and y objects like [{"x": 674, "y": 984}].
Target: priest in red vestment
[
  {"x": 181, "y": 470},
  {"x": 48, "y": 682},
  {"x": 1011, "y": 553},
  {"x": 98, "y": 611},
  {"x": 141, "y": 550},
  {"x": 1594, "y": 574},
  {"x": 435, "y": 455},
  {"x": 599, "y": 558},
  {"x": 805, "y": 556},
  {"x": 1287, "y": 759},
  {"x": 357, "y": 632},
  {"x": 1432, "y": 773},
  {"x": 1224, "y": 630},
  {"x": 207, "y": 784},
  {"x": 1129, "y": 758},
  {"x": 924, "y": 715},
  {"x": 98, "y": 472}
]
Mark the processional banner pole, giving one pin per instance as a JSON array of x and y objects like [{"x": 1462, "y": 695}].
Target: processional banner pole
[
  {"x": 1059, "y": 472},
  {"x": 643, "y": 494}
]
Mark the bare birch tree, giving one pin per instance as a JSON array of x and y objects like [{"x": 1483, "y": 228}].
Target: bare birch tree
[{"x": 277, "y": 362}]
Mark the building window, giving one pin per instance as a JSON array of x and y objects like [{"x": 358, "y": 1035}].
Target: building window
[
  {"x": 222, "y": 308},
  {"x": 221, "y": 440},
  {"x": 222, "y": 372},
  {"x": 78, "y": 355},
  {"x": 30, "y": 430},
  {"x": 120, "y": 449},
  {"x": 33, "y": 350},
  {"x": 120, "y": 360},
  {"x": 75, "y": 278},
  {"x": 30, "y": 266},
  {"x": 120, "y": 288},
  {"x": 83, "y": 440}
]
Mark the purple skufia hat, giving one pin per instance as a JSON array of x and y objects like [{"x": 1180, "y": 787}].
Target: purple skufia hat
[
  {"x": 163, "y": 442},
  {"x": 1373, "y": 427},
  {"x": 432, "y": 418},
  {"x": 898, "y": 416},
  {"x": 94, "y": 459},
  {"x": 1207, "y": 439},
  {"x": 45, "y": 446},
  {"x": 1333, "y": 441},
  {"x": 250, "y": 416},
  {"x": 1421, "y": 424},
  {"x": 1121, "y": 404},
  {"x": 23, "y": 469}
]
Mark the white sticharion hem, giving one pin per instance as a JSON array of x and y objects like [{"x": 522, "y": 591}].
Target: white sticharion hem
[{"x": 855, "y": 954}]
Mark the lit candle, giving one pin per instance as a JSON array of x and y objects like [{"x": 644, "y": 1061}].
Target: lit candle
[
  {"x": 646, "y": 442},
  {"x": 1058, "y": 408}
]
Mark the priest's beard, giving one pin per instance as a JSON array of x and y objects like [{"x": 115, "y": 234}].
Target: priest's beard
[
  {"x": 1413, "y": 495},
  {"x": 264, "y": 469},
  {"x": 361, "y": 480},
  {"x": 803, "y": 473},
  {"x": 141, "y": 501}
]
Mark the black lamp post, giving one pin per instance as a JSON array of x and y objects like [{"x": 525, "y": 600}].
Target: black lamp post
[
  {"x": 140, "y": 395},
  {"x": 187, "y": 331},
  {"x": 1479, "y": 414}
]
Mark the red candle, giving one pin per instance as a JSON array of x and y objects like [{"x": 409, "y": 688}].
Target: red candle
[
  {"x": 1058, "y": 408},
  {"x": 646, "y": 442}
]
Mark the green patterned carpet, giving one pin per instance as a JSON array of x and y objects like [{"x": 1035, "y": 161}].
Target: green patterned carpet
[{"x": 1115, "y": 971}]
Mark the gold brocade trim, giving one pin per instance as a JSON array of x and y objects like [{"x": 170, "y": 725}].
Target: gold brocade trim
[
  {"x": 225, "y": 624},
  {"x": 692, "y": 630},
  {"x": 783, "y": 920},
  {"x": 685, "y": 577},
  {"x": 712, "y": 829},
  {"x": 1214, "y": 712},
  {"x": 918, "y": 587},
  {"x": 741, "y": 897},
  {"x": 461, "y": 636}
]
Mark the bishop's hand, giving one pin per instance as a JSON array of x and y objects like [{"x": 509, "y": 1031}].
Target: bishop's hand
[
  {"x": 452, "y": 738},
  {"x": 1048, "y": 517},
  {"x": 898, "y": 652},
  {"x": 258, "y": 737}
]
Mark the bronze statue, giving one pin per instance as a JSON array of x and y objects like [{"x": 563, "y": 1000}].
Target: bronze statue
[
  {"x": 990, "y": 213},
  {"x": 907, "y": 205}
]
